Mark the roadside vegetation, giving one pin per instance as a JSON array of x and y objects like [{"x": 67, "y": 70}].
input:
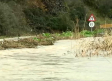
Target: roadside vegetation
[
  {"x": 33, "y": 42},
  {"x": 46, "y": 39}
]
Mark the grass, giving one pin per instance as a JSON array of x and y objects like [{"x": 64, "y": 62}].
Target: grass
[{"x": 95, "y": 33}]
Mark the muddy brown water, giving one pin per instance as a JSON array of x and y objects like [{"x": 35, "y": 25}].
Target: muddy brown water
[{"x": 53, "y": 63}]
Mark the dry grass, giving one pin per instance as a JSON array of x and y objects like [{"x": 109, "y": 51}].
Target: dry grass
[
  {"x": 24, "y": 43},
  {"x": 98, "y": 46}
]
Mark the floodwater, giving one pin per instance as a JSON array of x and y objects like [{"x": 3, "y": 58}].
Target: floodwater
[{"x": 53, "y": 63}]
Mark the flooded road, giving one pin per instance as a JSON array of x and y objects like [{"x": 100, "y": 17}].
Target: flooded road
[{"x": 53, "y": 63}]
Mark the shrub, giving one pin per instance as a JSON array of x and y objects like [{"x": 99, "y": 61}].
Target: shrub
[
  {"x": 67, "y": 34},
  {"x": 11, "y": 22},
  {"x": 87, "y": 33}
]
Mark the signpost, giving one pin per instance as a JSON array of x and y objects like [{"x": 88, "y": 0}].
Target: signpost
[{"x": 91, "y": 23}]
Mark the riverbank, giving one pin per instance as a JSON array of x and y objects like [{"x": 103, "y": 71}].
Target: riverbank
[
  {"x": 34, "y": 41},
  {"x": 83, "y": 47}
]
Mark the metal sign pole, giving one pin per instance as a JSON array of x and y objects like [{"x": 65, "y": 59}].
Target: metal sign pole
[
  {"x": 91, "y": 29},
  {"x": 91, "y": 25}
]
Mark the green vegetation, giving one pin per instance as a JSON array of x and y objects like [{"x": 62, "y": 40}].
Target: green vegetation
[
  {"x": 103, "y": 7},
  {"x": 22, "y": 17},
  {"x": 86, "y": 33},
  {"x": 46, "y": 34}
]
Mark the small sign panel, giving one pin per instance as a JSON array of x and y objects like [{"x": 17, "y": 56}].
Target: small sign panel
[
  {"x": 91, "y": 24},
  {"x": 106, "y": 26},
  {"x": 92, "y": 18}
]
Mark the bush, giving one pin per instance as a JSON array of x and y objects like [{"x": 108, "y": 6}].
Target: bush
[
  {"x": 11, "y": 22},
  {"x": 67, "y": 34},
  {"x": 87, "y": 33},
  {"x": 62, "y": 22},
  {"x": 103, "y": 7}
]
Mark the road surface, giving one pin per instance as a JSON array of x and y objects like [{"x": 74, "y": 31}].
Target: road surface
[{"x": 53, "y": 63}]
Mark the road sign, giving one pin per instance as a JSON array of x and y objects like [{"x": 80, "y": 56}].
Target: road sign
[
  {"x": 106, "y": 26},
  {"x": 91, "y": 24},
  {"x": 92, "y": 18}
]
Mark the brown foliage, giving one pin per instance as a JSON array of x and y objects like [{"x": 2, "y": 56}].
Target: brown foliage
[{"x": 37, "y": 3}]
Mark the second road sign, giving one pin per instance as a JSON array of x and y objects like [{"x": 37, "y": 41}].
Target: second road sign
[{"x": 91, "y": 24}]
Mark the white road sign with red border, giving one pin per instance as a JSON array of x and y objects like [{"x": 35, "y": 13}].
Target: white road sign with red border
[
  {"x": 91, "y": 24},
  {"x": 92, "y": 18}
]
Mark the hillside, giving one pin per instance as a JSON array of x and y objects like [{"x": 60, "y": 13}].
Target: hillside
[{"x": 20, "y": 17}]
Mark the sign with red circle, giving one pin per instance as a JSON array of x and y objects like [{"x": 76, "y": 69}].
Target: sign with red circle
[{"x": 91, "y": 24}]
